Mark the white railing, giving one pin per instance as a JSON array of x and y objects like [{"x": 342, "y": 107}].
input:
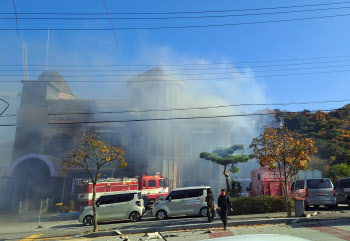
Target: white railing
[
  {"x": 44, "y": 206},
  {"x": 23, "y": 207}
]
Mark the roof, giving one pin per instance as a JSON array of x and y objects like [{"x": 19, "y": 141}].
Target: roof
[
  {"x": 319, "y": 178},
  {"x": 189, "y": 188},
  {"x": 154, "y": 76},
  {"x": 345, "y": 178},
  {"x": 57, "y": 80}
]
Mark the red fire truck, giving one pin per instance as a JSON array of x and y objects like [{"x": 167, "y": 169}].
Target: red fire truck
[{"x": 151, "y": 187}]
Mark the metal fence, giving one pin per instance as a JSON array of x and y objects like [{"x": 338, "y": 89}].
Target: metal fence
[
  {"x": 23, "y": 207},
  {"x": 44, "y": 206}
]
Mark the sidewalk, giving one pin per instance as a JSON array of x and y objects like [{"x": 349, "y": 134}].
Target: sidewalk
[
  {"x": 314, "y": 229},
  {"x": 234, "y": 221}
]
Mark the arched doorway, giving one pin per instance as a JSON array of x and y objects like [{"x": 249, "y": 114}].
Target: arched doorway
[{"x": 33, "y": 178}]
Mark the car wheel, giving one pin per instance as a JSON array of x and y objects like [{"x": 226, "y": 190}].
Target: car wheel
[
  {"x": 348, "y": 201},
  {"x": 161, "y": 215},
  {"x": 331, "y": 206},
  {"x": 307, "y": 207},
  {"x": 316, "y": 206},
  {"x": 88, "y": 220},
  {"x": 134, "y": 216},
  {"x": 204, "y": 212}
]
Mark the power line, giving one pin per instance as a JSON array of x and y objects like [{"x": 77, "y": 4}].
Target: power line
[
  {"x": 115, "y": 33},
  {"x": 182, "y": 74},
  {"x": 194, "y": 64},
  {"x": 180, "y": 12},
  {"x": 141, "y": 78},
  {"x": 170, "y": 18},
  {"x": 181, "y": 118},
  {"x": 196, "y": 108},
  {"x": 179, "y": 27},
  {"x": 14, "y": 6}
]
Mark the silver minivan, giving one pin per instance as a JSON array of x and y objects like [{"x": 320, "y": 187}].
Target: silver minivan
[
  {"x": 182, "y": 201},
  {"x": 316, "y": 191},
  {"x": 342, "y": 190},
  {"x": 114, "y": 206}
]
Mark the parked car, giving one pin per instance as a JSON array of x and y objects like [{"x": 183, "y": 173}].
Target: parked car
[
  {"x": 316, "y": 191},
  {"x": 114, "y": 206},
  {"x": 182, "y": 201},
  {"x": 342, "y": 191}
]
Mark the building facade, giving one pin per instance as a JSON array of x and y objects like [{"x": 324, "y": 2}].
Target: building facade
[{"x": 50, "y": 119}]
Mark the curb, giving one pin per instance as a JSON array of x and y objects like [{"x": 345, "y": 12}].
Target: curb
[
  {"x": 197, "y": 226},
  {"x": 204, "y": 226}
]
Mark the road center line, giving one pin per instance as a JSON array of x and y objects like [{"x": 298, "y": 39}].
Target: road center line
[{"x": 32, "y": 237}]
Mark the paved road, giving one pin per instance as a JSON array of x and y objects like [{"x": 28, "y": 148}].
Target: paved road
[
  {"x": 14, "y": 229},
  {"x": 335, "y": 230},
  {"x": 55, "y": 228}
]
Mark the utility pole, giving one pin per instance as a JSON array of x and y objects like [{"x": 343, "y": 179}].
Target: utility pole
[{"x": 25, "y": 61}]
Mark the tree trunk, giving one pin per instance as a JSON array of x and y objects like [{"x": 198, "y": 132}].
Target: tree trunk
[
  {"x": 286, "y": 198},
  {"x": 227, "y": 176},
  {"x": 94, "y": 207}
]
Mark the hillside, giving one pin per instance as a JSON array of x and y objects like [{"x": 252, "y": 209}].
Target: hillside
[{"x": 331, "y": 131}]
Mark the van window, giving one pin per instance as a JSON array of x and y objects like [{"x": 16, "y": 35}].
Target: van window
[
  {"x": 344, "y": 183},
  {"x": 162, "y": 183},
  {"x": 176, "y": 195},
  {"x": 144, "y": 183},
  {"x": 125, "y": 197},
  {"x": 152, "y": 183},
  {"x": 194, "y": 193},
  {"x": 104, "y": 200},
  {"x": 319, "y": 183},
  {"x": 299, "y": 185}
]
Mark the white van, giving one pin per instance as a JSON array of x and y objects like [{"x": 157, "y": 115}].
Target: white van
[
  {"x": 121, "y": 205},
  {"x": 182, "y": 201}
]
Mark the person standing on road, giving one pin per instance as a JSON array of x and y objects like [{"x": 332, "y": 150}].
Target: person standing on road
[
  {"x": 210, "y": 203},
  {"x": 224, "y": 204}
]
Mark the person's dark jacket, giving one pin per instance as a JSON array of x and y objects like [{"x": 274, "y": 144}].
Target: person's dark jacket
[{"x": 224, "y": 202}]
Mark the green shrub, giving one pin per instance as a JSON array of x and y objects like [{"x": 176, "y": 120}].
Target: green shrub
[{"x": 260, "y": 204}]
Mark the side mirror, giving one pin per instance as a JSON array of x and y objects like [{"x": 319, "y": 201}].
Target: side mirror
[
  {"x": 169, "y": 199},
  {"x": 97, "y": 204}
]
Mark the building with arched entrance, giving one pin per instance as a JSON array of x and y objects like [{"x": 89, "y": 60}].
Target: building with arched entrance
[{"x": 50, "y": 119}]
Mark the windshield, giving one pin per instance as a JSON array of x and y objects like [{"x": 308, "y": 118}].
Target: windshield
[
  {"x": 319, "y": 183},
  {"x": 163, "y": 183}
]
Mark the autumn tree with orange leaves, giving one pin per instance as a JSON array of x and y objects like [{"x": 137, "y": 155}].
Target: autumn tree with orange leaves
[
  {"x": 91, "y": 154},
  {"x": 284, "y": 154}
]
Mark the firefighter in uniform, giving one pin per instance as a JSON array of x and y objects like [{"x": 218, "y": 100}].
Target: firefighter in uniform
[
  {"x": 224, "y": 205},
  {"x": 210, "y": 203}
]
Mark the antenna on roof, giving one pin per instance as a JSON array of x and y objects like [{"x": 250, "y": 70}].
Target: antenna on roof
[
  {"x": 47, "y": 47},
  {"x": 25, "y": 61}
]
